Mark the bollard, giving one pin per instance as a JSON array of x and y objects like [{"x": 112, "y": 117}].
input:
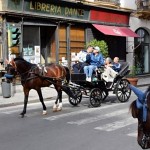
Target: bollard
[{"x": 6, "y": 88}]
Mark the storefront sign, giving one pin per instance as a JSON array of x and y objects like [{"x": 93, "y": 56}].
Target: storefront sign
[
  {"x": 56, "y": 9},
  {"x": 48, "y": 8},
  {"x": 109, "y": 17}
]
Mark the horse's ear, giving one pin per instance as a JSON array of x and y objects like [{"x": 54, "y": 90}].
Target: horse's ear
[{"x": 134, "y": 110}]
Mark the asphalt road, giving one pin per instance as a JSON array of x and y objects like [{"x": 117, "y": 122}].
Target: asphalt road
[{"x": 109, "y": 127}]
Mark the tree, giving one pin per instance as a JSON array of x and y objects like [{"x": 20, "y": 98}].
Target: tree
[{"x": 101, "y": 44}]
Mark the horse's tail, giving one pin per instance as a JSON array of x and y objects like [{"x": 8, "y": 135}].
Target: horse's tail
[{"x": 67, "y": 74}]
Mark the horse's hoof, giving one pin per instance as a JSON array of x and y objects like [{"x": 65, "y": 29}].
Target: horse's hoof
[
  {"x": 54, "y": 109},
  {"x": 59, "y": 108},
  {"x": 44, "y": 112},
  {"x": 22, "y": 115}
]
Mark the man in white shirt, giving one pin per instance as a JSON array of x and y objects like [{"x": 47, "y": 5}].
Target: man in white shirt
[{"x": 81, "y": 60}]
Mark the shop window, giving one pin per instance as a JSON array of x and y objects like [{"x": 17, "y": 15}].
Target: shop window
[{"x": 31, "y": 44}]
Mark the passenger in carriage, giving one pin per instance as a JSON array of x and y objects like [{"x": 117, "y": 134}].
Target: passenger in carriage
[
  {"x": 116, "y": 65},
  {"x": 81, "y": 60},
  {"x": 95, "y": 60},
  {"x": 111, "y": 69}
]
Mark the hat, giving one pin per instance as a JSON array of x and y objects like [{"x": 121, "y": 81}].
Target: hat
[
  {"x": 97, "y": 48},
  {"x": 109, "y": 59}
]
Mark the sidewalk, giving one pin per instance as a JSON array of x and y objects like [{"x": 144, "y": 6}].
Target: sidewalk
[
  {"x": 48, "y": 93},
  {"x": 18, "y": 97}
]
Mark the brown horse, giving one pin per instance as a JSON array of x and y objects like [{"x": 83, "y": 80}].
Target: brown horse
[
  {"x": 35, "y": 77},
  {"x": 139, "y": 110}
]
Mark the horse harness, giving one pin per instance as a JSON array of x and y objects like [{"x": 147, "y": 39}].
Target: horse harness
[{"x": 37, "y": 72}]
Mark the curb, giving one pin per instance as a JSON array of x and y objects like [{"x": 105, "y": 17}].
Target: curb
[{"x": 30, "y": 101}]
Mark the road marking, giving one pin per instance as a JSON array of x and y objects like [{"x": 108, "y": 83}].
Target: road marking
[
  {"x": 133, "y": 134},
  {"x": 117, "y": 125},
  {"x": 30, "y": 106},
  {"x": 88, "y": 110},
  {"x": 99, "y": 117}
]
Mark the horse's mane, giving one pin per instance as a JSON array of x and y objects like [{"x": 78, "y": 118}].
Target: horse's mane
[{"x": 24, "y": 61}]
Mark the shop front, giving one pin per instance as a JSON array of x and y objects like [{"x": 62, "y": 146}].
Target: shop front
[{"x": 52, "y": 32}]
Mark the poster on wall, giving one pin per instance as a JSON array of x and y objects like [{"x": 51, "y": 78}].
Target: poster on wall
[
  {"x": 37, "y": 54},
  {"x": 28, "y": 51}
]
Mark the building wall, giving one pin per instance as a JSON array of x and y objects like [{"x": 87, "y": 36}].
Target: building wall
[
  {"x": 0, "y": 5},
  {"x": 130, "y": 4},
  {"x": 135, "y": 23}
]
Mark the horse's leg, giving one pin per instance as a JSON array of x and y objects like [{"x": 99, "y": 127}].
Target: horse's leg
[
  {"x": 59, "y": 108},
  {"x": 56, "y": 103},
  {"x": 26, "y": 95},
  {"x": 42, "y": 101}
]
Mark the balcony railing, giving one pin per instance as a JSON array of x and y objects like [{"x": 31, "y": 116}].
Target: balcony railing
[
  {"x": 107, "y": 3},
  {"x": 143, "y": 9},
  {"x": 115, "y": 2}
]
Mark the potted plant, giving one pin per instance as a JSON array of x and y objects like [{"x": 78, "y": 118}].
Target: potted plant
[
  {"x": 101, "y": 44},
  {"x": 132, "y": 78}
]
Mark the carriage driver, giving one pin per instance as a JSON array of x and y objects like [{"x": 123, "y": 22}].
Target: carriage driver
[
  {"x": 81, "y": 58},
  {"x": 95, "y": 60}
]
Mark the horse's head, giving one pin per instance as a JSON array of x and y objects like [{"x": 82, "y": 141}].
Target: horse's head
[
  {"x": 143, "y": 116},
  {"x": 10, "y": 70}
]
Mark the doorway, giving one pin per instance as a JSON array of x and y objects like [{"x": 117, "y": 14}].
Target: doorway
[{"x": 142, "y": 53}]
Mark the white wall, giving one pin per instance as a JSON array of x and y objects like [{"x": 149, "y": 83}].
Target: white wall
[
  {"x": 130, "y": 4},
  {"x": 135, "y": 23}
]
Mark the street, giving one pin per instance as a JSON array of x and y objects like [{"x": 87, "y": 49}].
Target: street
[{"x": 109, "y": 127}]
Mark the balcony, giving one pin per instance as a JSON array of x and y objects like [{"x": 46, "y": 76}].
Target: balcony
[
  {"x": 105, "y": 3},
  {"x": 143, "y": 9}
]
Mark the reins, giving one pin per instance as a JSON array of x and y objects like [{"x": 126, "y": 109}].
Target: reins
[{"x": 52, "y": 80}]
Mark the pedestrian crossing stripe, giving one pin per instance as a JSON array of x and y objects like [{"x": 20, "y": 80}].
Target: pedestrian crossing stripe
[
  {"x": 117, "y": 124},
  {"x": 88, "y": 110},
  {"x": 99, "y": 117},
  {"x": 133, "y": 134}
]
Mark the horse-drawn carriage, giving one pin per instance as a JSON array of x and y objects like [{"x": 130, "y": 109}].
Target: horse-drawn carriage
[
  {"x": 98, "y": 89},
  {"x": 35, "y": 77}
]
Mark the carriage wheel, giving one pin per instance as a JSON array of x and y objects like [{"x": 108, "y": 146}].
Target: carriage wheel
[
  {"x": 96, "y": 97},
  {"x": 123, "y": 92},
  {"x": 77, "y": 100}
]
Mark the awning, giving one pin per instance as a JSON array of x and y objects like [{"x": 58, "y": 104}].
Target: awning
[{"x": 116, "y": 31}]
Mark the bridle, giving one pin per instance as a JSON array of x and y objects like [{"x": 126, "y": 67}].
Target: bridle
[{"x": 26, "y": 76}]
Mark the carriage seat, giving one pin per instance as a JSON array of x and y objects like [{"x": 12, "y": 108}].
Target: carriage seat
[{"x": 78, "y": 77}]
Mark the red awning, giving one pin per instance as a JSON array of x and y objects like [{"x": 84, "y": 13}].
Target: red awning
[{"x": 116, "y": 31}]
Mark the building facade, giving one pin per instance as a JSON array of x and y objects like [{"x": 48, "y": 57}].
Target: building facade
[
  {"x": 50, "y": 31},
  {"x": 140, "y": 23}
]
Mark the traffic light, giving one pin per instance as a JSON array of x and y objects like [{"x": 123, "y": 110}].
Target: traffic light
[{"x": 13, "y": 36}]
